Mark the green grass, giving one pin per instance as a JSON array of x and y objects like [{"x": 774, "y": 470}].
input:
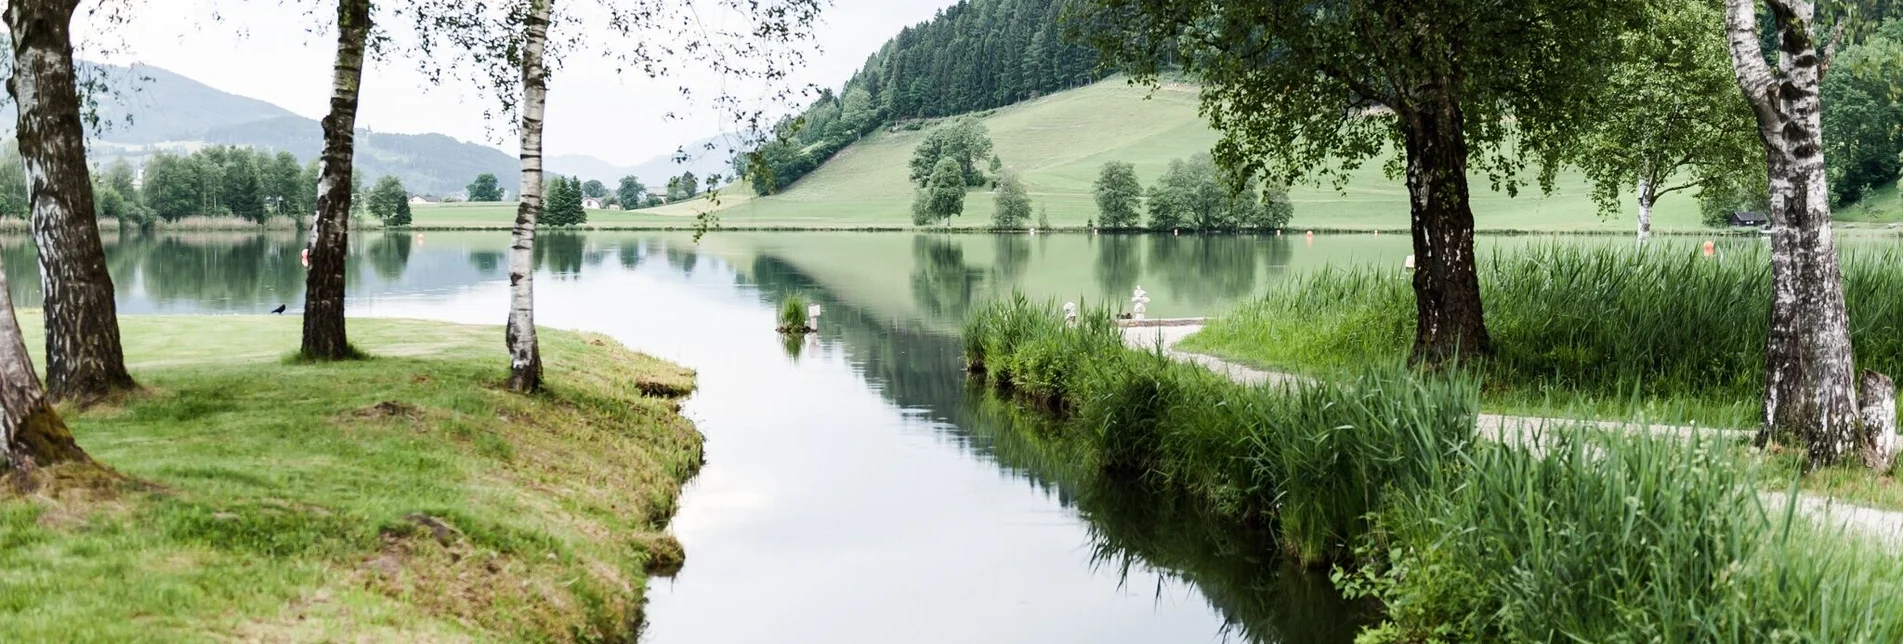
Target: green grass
[
  {"x": 406, "y": 497},
  {"x": 501, "y": 215},
  {"x": 1595, "y": 536},
  {"x": 1059, "y": 142},
  {"x": 1311, "y": 460},
  {"x": 1607, "y": 330}
]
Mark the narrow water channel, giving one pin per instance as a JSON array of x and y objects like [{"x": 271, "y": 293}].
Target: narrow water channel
[{"x": 857, "y": 489}]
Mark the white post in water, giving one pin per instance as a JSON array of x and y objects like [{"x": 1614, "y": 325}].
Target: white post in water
[
  {"x": 1139, "y": 303},
  {"x": 1408, "y": 265},
  {"x": 1070, "y": 314},
  {"x": 812, "y": 317}
]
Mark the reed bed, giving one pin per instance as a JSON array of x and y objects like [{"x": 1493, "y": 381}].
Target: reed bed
[
  {"x": 1573, "y": 324},
  {"x": 1589, "y": 537}
]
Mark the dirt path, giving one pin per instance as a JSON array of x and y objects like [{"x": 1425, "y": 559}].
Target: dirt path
[{"x": 1883, "y": 525}]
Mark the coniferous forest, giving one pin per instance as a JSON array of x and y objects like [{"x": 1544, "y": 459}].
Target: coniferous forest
[{"x": 973, "y": 56}]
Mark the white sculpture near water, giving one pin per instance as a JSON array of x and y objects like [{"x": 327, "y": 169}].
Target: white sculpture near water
[
  {"x": 812, "y": 316},
  {"x": 1070, "y": 314},
  {"x": 1139, "y": 303},
  {"x": 1408, "y": 264}
]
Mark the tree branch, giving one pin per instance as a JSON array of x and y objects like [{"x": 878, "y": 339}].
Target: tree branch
[
  {"x": 1829, "y": 52},
  {"x": 1747, "y": 61}
]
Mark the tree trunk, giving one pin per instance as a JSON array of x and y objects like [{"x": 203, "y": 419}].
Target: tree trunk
[
  {"x": 525, "y": 353},
  {"x": 84, "y": 360},
  {"x": 1810, "y": 377},
  {"x": 1449, "y": 321},
  {"x": 1879, "y": 421},
  {"x": 1647, "y": 197},
  {"x": 34, "y": 435},
  {"x": 324, "y": 333}
]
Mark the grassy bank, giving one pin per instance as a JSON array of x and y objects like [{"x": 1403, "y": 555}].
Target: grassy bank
[
  {"x": 1604, "y": 331},
  {"x": 1592, "y": 537},
  {"x": 407, "y": 497}
]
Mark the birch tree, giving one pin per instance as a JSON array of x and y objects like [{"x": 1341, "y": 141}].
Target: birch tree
[
  {"x": 525, "y": 352},
  {"x": 1668, "y": 119},
  {"x": 512, "y": 49},
  {"x": 84, "y": 359},
  {"x": 325, "y": 336},
  {"x": 34, "y": 436},
  {"x": 1314, "y": 89},
  {"x": 1810, "y": 397}
]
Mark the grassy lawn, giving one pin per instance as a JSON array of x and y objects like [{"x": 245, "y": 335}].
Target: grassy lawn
[
  {"x": 501, "y": 215},
  {"x": 402, "y": 498},
  {"x": 1058, "y": 143}
]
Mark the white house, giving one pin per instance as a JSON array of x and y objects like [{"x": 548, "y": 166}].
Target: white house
[
  {"x": 419, "y": 200},
  {"x": 591, "y": 203}
]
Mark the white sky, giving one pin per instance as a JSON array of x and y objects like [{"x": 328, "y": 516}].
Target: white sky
[{"x": 263, "y": 49}]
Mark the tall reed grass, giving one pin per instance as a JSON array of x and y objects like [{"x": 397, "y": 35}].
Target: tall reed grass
[
  {"x": 1311, "y": 460},
  {"x": 1583, "y": 537},
  {"x": 1601, "y": 539},
  {"x": 1572, "y": 322}
]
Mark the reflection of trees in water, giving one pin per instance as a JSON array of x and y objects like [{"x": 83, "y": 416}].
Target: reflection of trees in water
[
  {"x": 487, "y": 262},
  {"x": 1119, "y": 266},
  {"x": 228, "y": 272},
  {"x": 17, "y": 258},
  {"x": 942, "y": 284},
  {"x": 1239, "y": 571},
  {"x": 560, "y": 253},
  {"x": 390, "y": 255},
  {"x": 1202, "y": 270},
  {"x": 1013, "y": 256}
]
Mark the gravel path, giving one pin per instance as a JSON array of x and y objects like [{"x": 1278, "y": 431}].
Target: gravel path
[{"x": 1883, "y": 525}]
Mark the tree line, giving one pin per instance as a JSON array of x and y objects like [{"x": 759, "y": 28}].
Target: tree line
[{"x": 973, "y": 56}]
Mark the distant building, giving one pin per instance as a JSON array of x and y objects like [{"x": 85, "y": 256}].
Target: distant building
[
  {"x": 419, "y": 200},
  {"x": 591, "y": 203},
  {"x": 1746, "y": 218}
]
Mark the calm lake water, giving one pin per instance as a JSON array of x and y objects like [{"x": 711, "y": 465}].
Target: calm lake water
[{"x": 857, "y": 490}]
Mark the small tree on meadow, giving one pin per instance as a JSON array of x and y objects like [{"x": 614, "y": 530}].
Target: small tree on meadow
[
  {"x": 389, "y": 202},
  {"x": 1119, "y": 195},
  {"x": 1013, "y": 203},
  {"x": 564, "y": 203},
  {"x": 485, "y": 188},
  {"x": 943, "y": 196}
]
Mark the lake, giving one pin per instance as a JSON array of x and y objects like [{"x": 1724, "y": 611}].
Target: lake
[{"x": 857, "y": 488}]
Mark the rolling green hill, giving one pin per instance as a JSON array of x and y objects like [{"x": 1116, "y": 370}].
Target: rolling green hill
[{"x": 1058, "y": 142}]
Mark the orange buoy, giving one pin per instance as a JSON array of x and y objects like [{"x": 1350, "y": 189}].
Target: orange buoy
[
  {"x": 305, "y": 257},
  {"x": 1710, "y": 248}
]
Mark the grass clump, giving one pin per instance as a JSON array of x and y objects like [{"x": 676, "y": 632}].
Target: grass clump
[
  {"x": 1594, "y": 538},
  {"x": 1595, "y": 328},
  {"x": 793, "y": 314},
  {"x": 1309, "y": 460},
  {"x": 405, "y": 498}
]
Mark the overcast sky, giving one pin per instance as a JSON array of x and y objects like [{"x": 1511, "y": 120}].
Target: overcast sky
[{"x": 263, "y": 49}]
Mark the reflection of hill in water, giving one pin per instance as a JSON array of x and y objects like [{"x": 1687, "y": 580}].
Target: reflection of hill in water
[
  {"x": 243, "y": 272},
  {"x": 1238, "y": 572}
]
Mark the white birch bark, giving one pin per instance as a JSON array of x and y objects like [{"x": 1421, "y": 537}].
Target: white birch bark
[
  {"x": 325, "y": 333},
  {"x": 1810, "y": 379},
  {"x": 85, "y": 361},
  {"x": 1647, "y": 197},
  {"x": 525, "y": 354}
]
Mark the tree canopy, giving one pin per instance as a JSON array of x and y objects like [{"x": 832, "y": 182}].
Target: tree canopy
[
  {"x": 964, "y": 141},
  {"x": 631, "y": 192},
  {"x": 943, "y": 196},
  {"x": 390, "y": 202},
  {"x": 484, "y": 188},
  {"x": 1119, "y": 195},
  {"x": 1013, "y": 203}
]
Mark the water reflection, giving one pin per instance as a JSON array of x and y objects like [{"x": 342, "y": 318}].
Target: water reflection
[
  {"x": 1119, "y": 265},
  {"x": 943, "y": 285}
]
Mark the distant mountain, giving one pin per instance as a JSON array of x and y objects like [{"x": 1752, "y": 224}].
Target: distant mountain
[
  {"x": 154, "y": 109},
  {"x": 656, "y": 171}
]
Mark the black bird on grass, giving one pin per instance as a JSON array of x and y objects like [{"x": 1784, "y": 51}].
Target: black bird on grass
[{"x": 278, "y": 311}]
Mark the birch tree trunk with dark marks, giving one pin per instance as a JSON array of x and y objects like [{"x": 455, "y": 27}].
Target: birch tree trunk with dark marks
[
  {"x": 1450, "y": 325},
  {"x": 1810, "y": 394},
  {"x": 1647, "y": 197},
  {"x": 34, "y": 434},
  {"x": 324, "y": 331},
  {"x": 84, "y": 360},
  {"x": 525, "y": 353}
]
